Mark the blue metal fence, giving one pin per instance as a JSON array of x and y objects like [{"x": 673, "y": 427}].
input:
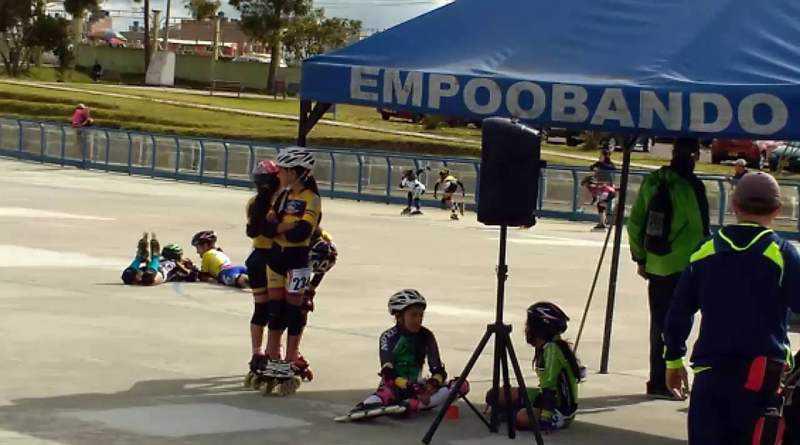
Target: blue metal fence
[{"x": 351, "y": 174}]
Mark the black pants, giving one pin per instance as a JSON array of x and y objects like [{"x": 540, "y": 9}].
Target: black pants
[
  {"x": 721, "y": 410},
  {"x": 659, "y": 292}
]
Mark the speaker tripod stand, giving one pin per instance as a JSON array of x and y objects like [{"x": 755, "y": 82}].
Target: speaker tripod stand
[{"x": 503, "y": 354}]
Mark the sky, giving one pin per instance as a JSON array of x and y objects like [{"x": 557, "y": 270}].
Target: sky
[{"x": 374, "y": 14}]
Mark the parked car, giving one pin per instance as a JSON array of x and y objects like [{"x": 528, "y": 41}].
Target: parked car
[
  {"x": 572, "y": 137},
  {"x": 643, "y": 143},
  {"x": 454, "y": 121},
  {"x": 755, "y": 153},
  {"x": 387, "y": 113},
  {"x": 787, "y": 154}
]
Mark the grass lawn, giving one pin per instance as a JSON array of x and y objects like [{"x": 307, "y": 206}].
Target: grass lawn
[{"x": 142, "y": 114}]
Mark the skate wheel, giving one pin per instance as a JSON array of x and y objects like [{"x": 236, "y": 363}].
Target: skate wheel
[
  {"x": 267, "y": 386},
  {"x": 289, "y": 386}
]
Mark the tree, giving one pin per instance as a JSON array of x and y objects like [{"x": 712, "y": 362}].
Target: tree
[
  {"x": 266, "y": 20},
  {"x": 24, "y": 27},
  {"x": 77, "y": 9},
  {"x": 202, "y": 9},
  {"x": 315, "y": 34}
]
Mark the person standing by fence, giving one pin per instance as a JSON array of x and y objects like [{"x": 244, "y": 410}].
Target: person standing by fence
[{"x": 81, "y": 118}]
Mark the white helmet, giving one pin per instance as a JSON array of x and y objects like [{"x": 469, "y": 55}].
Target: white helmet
[
  {"x": 295, "y": 157},
  {"x": 405, "y": 298}
]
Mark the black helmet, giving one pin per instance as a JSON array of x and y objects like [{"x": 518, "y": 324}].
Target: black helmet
[
  {"x": 203, "y": 237},
  {"x": 410, "y": 175},
  {"x": 545, "y": 320}
]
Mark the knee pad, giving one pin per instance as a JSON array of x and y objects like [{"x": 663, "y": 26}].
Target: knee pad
[
  {"x": 276, "y": 315},
  {"x": 260, "y": 314},
  {"x": 491, "y": 397},
  {"x": 295, "y": 321}
]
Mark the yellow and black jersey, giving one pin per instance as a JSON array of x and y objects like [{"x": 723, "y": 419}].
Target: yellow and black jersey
[
  {"x": 260, "y": 241},
  {"x": 299, "y": 206}
]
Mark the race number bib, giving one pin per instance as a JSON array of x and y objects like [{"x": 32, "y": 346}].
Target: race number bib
[{"x": 298, "y": 280}]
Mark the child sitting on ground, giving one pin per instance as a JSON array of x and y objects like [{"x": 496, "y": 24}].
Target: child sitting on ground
[
  {"x": 403, "y": 350},
  {"x": 215, "y": 265},
  {"x": 555, "y": 401},
  {"x": 149, "y": 268}
]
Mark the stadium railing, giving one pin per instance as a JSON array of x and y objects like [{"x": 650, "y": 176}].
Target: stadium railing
[{"x": 358, "y": 174}]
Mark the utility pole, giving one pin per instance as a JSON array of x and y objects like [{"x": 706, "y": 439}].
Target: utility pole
[
  {"x": 217, "y": 26},
  {"x": 166, "y": 26},
  {"x": 215, "y": 56},
  {"x": 146, "y": 34},
  {"x": 156, "y": 21}
]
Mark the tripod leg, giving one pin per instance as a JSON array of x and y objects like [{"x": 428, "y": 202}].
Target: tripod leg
[
  {"x": 512, "y": 416},
  {"x": 523, "y": 392},
  {"x": 494, "y": 419},
  {"x": 460, "y": 381},
  {"x": 475, "y": 410}
]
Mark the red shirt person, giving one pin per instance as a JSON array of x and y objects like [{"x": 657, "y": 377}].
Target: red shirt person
[{"x": 81, "y": 117}]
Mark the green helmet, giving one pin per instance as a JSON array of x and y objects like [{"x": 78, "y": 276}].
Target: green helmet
[{"x": 172, "y": 252}]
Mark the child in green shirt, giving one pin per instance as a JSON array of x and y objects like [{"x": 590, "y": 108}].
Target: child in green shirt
[{"x": 555, "y": 400}]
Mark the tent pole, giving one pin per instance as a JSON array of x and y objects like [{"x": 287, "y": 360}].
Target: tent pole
[
  {"x": 309, "y": 117},
  {"x": 612, "y": 282},
  {"x": 305, "y": 110}
]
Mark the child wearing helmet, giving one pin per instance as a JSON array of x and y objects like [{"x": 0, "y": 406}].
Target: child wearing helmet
[
  {"x": 215, "y": 266},
  {"x": 555, "y": 400},
  {"x": 404, "y": 348},
  {"x": 450, "y": 185},
  {"x": 291, "y": 222},
  {"x": 600, "y": 185},
  {"x": 265, "y": 179},
  {"x": 415, "y": 188},
  {"x": 149, "y": 268}
]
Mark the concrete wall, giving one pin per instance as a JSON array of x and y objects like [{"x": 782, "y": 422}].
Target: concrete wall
[{"x": 187, "y": 67}]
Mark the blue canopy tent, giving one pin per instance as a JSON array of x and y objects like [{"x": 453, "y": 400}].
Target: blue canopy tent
[{"x": 701, "y": 68}]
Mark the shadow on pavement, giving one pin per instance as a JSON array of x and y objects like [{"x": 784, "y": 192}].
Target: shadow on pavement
[{"x": 61, "y": 418}]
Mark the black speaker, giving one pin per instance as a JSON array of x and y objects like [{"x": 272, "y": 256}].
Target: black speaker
[{"x": 510, "y": 167}]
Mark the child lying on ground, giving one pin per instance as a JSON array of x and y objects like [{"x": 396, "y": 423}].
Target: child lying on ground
[
  {"x": 215, "y": 266},
  {"x": 149, "y": 268}
]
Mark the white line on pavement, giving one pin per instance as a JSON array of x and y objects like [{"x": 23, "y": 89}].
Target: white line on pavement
[
  {"x": 19, "y": 256},
  {"x": 22, "y": 212}
]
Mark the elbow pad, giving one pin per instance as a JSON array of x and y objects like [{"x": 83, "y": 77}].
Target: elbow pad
[
  {"x": 439, "y": 374},
  {"x": 301, "y": 231},
  {"x": 269, "y": 229},
  {"x": 252, "y": 230},
  {"x": 388, "y": 372},
  {"x": 548, "y": 400}
]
